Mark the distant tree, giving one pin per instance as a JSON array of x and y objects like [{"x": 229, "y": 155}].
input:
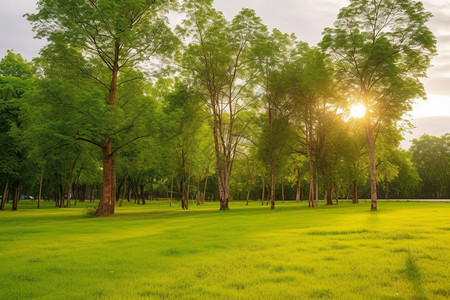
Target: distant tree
[
  {"x": 15, "y": 81},
  {"x": 431, "y": 157},
  {"x": 381, "y": 49}
]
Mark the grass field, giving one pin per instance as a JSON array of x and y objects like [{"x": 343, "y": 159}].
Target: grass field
[{"x": 152, "y": 252}]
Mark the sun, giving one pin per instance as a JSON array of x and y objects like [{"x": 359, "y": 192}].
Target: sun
[{"x": 357, "y": 111}]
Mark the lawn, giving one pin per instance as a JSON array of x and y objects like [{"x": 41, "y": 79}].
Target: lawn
[{"x": 156, "y": 251}]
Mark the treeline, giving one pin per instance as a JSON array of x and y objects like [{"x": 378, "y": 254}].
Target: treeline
[{"x": 123, "y": 107}]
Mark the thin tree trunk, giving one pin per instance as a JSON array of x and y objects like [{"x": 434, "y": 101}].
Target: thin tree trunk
[
  {"x": 263, "y": 190},
  {"x": 124, "y": 189},
  {"x": 5, "y": 195},
  {"x": 317, "y": 193},
  {"x": 204, "y": 189},
  {"x": 16, "y": 198},
  {"x": 113, "y": 199},
  {"x": 373, "y": 170},
  {"x": 188, "y": 193},
  {"x": 142, "y": 194},
  {"x": 40, "y": 188},
  {"x": 249, "y": 189},
  {"x": 355, "y": 192},
  {"x": 69, "y": 179},
  {"x": 329, "y": 194},
  {"x": 171, "y": 191},
  {"x": 336, "y": 193}
]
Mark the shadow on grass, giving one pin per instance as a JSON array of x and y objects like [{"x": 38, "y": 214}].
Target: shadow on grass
[{"x": 412, "y": 273}]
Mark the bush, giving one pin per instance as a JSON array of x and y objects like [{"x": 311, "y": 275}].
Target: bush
[{"x": 90, "y": 212}]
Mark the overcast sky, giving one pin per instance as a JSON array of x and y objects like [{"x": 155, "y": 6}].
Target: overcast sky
[{"x": 305, "y": 18}]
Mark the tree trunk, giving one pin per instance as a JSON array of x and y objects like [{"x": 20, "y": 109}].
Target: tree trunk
[
  {"x": 355, "y": 192},
  {"x": 69, "y": 179},
  {"x": 142, "y": 194},
  {"x": 249, "y": 188},
  {"x": 282, "y": 191},
  {"x": 336, "y": 193},
  {"x": 171, "y": 191},
  {"x": 104, "y": 207},
  {"x": 16, "y": 198},
  {"x": 272, "y": 180},
  {"x": 108, "y": 198},
  {"x": 298, "y": 195},
  {"x": 329, "y": 194},
  {"x": 5, "y": 195},
  {"x": 113, "y": 184},
  {"x": 188, "y": 179},
  {"x": 40, "y": 189},
  {"x": 184, "y": 203},
  {"x": 263, "y": 190},
  {"x": 204, "y": 189},
  {"x": 317, "y": 193},
  {"x": 373, "y": 170},
  {"x": 150, "y": 190},
  {"x": 124, "y": 190}
]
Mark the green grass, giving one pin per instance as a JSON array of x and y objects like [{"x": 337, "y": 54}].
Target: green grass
[{"x": 157, "y": 251}]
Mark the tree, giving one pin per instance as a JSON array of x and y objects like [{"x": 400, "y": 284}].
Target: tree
[
  {"x": 218, "y": 60},
  {"x": 105, "y": 40},
  {"x": 381, "y": 49},
  {"x": 15, "y": 81},
  {"x": 431, "y": 157}
]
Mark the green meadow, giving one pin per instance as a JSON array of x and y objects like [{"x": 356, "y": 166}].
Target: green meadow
[{"x": 155, "y": 251}]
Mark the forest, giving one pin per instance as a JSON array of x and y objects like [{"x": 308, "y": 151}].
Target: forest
[{"x": 124, "y": 105}]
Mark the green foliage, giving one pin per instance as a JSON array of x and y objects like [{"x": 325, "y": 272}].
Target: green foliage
[{"x": 431, "y": 157}]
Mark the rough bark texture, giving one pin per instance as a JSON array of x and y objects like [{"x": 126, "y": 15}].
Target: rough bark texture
[
  {"x": 107, "y": 200},
  {"x": 104, "y": 207}
]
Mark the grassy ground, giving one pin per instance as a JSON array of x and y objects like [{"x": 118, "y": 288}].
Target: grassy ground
[{"x": 157, "y": 251}]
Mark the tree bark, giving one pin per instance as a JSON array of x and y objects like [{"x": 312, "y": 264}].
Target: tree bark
[
  {"x": 104, "y": 207},
  {"x": 16, "y": 198},
  {"x": 373, "y": 170},
  {"x": 263, "y": 190},
  {"x": 249, "y": 188},
  {"x": 355, "y": 192},
  {"x": 329, "y": 194},
  {"x": 124, "y": 189},
  {"x": 107, "y": 200},
  {"x": 204, "y": 189},
  {"x": 142, "y": 194},
  {"x": 5, "y": 195}
]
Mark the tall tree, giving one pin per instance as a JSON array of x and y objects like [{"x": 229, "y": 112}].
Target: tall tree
[
  {"x": 106, "y": 39},
  {"x": 218, "y": 58},
  {"x": 15, "y": 81},
  {"x": 381, "y": 49}
]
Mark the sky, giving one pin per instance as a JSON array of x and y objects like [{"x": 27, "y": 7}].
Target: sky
[{"x": 305, "y": 18}]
